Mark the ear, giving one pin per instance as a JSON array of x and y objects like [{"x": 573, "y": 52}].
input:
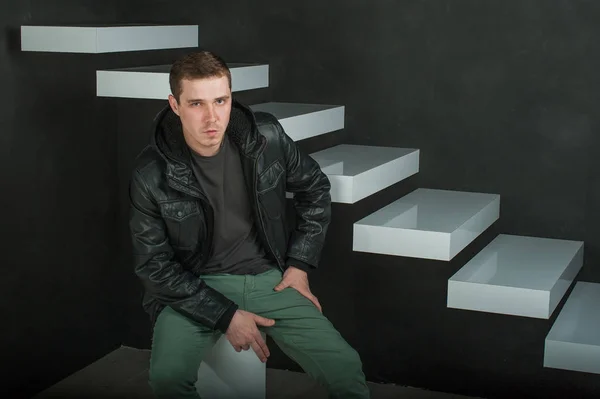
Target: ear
[{"x": 173, "y": 104}]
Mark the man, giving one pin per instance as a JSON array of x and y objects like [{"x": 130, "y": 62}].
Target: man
[{"x": 211, "y": 245}]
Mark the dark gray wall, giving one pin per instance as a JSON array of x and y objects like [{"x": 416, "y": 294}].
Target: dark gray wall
[{"x": 58, "y": 196}]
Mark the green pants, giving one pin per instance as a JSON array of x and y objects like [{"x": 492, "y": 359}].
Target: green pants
[{"x": 300, "y": 330}]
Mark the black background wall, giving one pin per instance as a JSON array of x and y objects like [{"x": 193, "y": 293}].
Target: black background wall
[
  {"x": 58, "y": 197},
  {"x": 499, "y": 96}
]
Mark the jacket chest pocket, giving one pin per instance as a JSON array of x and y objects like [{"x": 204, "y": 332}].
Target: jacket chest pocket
[
  {"x": 271, "y": 190},
  {"x": 184, "y": 223}
]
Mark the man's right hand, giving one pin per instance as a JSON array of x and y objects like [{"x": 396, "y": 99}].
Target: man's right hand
[{"x": 243, "y": 333}]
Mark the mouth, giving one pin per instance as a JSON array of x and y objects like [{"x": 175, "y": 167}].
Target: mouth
[{"x": 211, "y": 132}]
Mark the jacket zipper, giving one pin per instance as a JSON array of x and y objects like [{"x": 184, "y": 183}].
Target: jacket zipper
[
  {"x": 209, "y": 234},
  {"x": 255, "y": 191}
]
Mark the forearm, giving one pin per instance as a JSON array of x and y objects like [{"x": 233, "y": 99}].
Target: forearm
[
  {"x": 185, "y": 293},
  {"x": 312, "y": 204}
]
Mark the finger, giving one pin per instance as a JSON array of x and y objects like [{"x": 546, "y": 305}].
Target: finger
[
  {"x": 258, "y": 349},
  {"x": 314, "y": 300},
  {"x": 282, "y": 285},
  {"x": 237, "y": 348},
  {"x": 262, "y": 321},
  {"x": 305, "y": 291},
  {"x": 246, "y": 347},
  {"x": 262, "y": 344}
]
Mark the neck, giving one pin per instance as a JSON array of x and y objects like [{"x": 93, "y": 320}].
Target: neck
[{"x": 205, "y": 151}]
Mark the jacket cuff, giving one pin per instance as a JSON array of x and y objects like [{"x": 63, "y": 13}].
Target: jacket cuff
[
  {"x": 299, "y": 265},
  {"x": 223, "y": 323}
]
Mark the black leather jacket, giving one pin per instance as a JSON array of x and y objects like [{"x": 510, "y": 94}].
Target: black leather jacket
[{"x": 171, "y": 218}]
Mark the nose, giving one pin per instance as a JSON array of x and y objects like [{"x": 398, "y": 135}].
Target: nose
[{"x": 211, "y": 115}]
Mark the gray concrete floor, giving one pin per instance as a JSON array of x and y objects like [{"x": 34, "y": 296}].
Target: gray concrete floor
[{"x": 124, "y": 374}]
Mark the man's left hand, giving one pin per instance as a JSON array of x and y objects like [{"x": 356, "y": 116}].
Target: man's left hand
[{"x": 297, "y": 279}]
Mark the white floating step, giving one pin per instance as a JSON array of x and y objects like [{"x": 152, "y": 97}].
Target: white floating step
[
  {"x": 514, "y": 275},
  {"x": 227, "y": 374},
  {"x": 301, "y": 121},
  {"x": 427, "y": 223},
  {"x": 152, "y": 82},
  {"x": 107, "y": 39},
  {"x": 573, "y": 342},
  {"x": 357, "y": 171}
]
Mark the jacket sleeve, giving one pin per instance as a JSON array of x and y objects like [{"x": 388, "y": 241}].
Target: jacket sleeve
[
  {"x": 312, "y": 203},
  {"x": 162, "y": 276}
]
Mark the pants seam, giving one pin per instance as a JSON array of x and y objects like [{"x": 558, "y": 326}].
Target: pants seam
[{"x": 244, "y": 293}]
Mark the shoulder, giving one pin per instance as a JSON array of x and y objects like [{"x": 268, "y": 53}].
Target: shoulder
[
  {"x": 278, "y": 144},
  {"x": 268, "y": 125},
  {"x": 149, "y": 165}
]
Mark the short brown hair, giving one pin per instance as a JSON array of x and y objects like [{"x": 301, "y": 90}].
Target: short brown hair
[{"x": 199, "y": 65}]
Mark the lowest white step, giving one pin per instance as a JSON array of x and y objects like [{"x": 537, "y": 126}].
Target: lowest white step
[
  {"x": 302, "y": 121},
  {"x": 517, "y": 275},
  {"x": 227, "y": 374},
  {"x": 107, "y": 38},
  {"x": 573, "y": 342},
  {"x": 152, "y": 82},
  {"x": 427, "y": 224},
  {"x": 358, "y": 171}
]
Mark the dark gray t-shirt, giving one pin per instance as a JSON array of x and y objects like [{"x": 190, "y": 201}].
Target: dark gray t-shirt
[{"x": 236, "y": 246}]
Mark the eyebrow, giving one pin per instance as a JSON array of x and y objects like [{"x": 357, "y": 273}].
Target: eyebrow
[{"x": 199, "y": 100}]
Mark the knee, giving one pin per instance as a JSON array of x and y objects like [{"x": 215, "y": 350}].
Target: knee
[
  {"x": 349, "y": 367},
  {"x": 348, "y": 380},
  {"x": 350, "y": 358},
  {"x": 172, "y": 377}
]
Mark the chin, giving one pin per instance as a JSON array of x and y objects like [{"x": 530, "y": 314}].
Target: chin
[{"x": 212, "y": 142}]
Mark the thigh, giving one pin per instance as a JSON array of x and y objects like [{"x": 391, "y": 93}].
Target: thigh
[
  {"x": 310, "y": 339},
  {"x": 178, "y": 345},
  {"x": 300, "y": 329},
  {"x": 298, "y": 323}
]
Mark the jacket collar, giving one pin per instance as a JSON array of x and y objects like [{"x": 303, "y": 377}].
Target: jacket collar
[{"x": 167, "y": 139}]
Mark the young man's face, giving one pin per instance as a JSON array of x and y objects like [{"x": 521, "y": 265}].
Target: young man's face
[{"x": 204, "y": 108}]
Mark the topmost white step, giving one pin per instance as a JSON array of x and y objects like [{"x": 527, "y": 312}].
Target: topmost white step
[{"x": 107, "y": 39}]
